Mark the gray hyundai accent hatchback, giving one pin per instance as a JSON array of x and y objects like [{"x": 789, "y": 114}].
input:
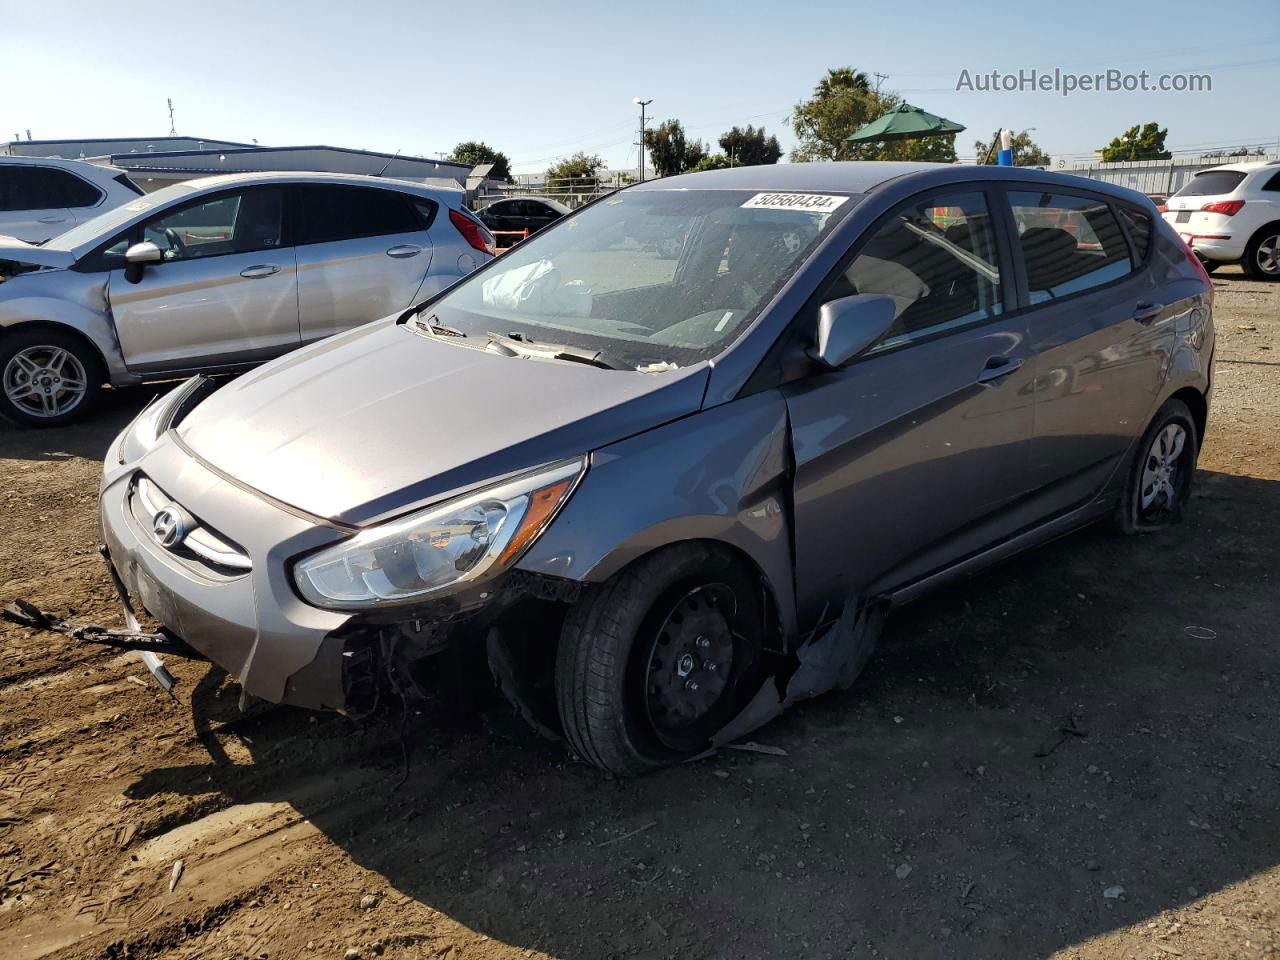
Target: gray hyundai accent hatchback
[{"x": 665, "y": 496}]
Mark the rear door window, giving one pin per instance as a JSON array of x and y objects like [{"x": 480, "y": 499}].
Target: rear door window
[
  {"x": 1273, "y": 185},
  {"x": 1068, "y": 243},
  {"x": 31, "y": 188},
  {"x": 1211, "y": 183},
  {"x": 75, "y": 192},
  {"x": 328, "y": 213}
]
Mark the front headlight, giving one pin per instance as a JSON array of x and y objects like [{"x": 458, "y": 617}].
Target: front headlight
[{"x": 440, "y": 548}]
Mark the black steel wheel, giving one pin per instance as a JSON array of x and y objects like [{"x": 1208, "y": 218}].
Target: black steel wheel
[{"x": 654, "y": 662}]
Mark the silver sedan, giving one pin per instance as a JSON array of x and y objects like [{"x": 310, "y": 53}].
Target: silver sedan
[{"x": 218, "y": 274}]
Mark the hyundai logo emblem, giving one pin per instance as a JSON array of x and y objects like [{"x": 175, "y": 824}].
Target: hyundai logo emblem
[{"x": 169, "y": 528}]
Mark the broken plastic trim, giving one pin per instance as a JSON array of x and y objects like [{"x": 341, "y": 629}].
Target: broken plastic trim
[
  {"x": 147, "y": 645},
  {"x": 824, "y": 662}
]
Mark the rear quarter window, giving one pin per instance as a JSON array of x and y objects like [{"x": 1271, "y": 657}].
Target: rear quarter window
[{"x": 1140, "y": 230}]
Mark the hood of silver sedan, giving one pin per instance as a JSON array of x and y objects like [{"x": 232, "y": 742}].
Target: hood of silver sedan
[
  {"x": 370, "y": 423},
  {"x": 11, "y": 248}
]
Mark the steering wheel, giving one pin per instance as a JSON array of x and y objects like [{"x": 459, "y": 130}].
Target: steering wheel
[{"x": 174, "y": 241}]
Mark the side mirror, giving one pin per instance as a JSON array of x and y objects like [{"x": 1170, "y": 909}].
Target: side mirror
[
  {"x": 137, "y": 257},
  {"x": 848, "y": 326}
]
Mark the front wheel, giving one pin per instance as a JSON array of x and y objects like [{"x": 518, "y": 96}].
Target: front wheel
[
  {"x": 655, "y": 661},
  {"x": 47, "y": 377},
  {"x": 1159, "y": 481}
]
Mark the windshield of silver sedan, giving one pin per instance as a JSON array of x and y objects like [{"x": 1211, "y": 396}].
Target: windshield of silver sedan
[{"x": 643, "y": 280}]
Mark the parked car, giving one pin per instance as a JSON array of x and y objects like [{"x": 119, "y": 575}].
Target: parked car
[
  {"x": 515, "y": 214},
  {"x": 218, "y": 274},
  {"x": 667, "y": 499},
  {"x": 41, "y": 197},
  {"x": 1232, "y": 213},
  {"x": 1159, "y": 199}
]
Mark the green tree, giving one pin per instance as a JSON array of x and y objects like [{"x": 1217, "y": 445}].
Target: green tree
[
  {"x": 750, "y": 147},
  {"x": 936, "y": 149},
  {"x": 475, "y": 152},
  {"x": 670, "y": 151},
  {"x": 842, "y": 102},
  {"x": 1026, "y": 152},
  {"x": 1138, "y": 143},
  {"x": 713, "y": 161},
  {"x": 573, "y": 171}
]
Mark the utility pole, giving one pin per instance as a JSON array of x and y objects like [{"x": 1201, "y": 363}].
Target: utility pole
[
  {"x": 173, "y": 130},
  {"x": 641, "y": 104},
  {"x": 880, "y": 78}
]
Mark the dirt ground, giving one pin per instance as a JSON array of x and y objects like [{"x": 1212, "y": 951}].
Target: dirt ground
[{"x": 935, "y": 810}]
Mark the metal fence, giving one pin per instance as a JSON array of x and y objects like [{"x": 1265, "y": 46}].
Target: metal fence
[
  {"x": 1150, "y": 176},
  {"x": 572, "y": 193}
]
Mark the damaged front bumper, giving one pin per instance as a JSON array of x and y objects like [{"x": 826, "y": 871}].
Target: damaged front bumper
[
  {"x": 223, "y": 586},
  {"x": 239, "y": 611}
]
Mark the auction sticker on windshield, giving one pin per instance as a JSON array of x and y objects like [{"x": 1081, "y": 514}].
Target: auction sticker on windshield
[{"x": 806, "y": 202}]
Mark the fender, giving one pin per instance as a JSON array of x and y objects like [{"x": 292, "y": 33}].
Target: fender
[
  {"x": 67, "y": 299},
  {"x": 1190, "y": 363},
  {"x": 722, "y": 474}
]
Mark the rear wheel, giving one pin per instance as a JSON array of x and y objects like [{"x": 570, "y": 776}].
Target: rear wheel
[
  {"x": 1159, "y": 481},
  {"x": 47, "y": 378},
  {"x": 655, "y": 661},
  {"x": 1262, "y": 255}
]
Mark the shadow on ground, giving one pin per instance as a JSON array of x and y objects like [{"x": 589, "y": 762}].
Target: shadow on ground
[
  {"x": 89, "y": 437},
  {"x": 937, "y": 809}
]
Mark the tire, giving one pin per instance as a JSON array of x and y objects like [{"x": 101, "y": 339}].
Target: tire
[
  {"x": 30, "y": 357},
  {"x": 631, "y": 695},
  {"x": 1159, "y": 479},
  {"x": 1262, "y": 255}
]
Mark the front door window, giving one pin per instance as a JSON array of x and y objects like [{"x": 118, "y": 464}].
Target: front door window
[{"x": 231, "y": 223}]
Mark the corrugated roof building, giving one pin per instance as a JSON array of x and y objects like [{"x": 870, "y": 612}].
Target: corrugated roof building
[{"x": 159, "y": 161}]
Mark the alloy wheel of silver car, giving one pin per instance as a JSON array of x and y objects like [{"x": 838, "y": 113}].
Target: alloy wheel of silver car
[
  {"x": 1267, "y": 255},
  {"x": 1158, "y": 490},
  {"x": 45, "y": 381}
]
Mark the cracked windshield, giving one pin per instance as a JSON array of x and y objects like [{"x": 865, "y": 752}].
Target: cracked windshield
[{"x": 645, "y": 280}]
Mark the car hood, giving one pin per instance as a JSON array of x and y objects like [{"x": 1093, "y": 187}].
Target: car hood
[
  {"x": 11, "y": 248},
  {"x": 382, "y": 419}
]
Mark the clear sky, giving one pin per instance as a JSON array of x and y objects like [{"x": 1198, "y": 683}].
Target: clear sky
[{"x": 544, "y": 79}]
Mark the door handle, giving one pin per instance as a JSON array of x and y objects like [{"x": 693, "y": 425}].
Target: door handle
[
  {"x": 998, "y": 367},
  {"x": 259, "y": 271},
  {"x": 1147, "y": 312},
  {"x": 404, "y": 251},
  {"x": 52, "y": 220}
]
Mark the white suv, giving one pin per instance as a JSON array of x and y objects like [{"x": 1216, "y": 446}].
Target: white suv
[
  {"x": 1231, "y": 213},
  {"x": 41, "y": 197}
]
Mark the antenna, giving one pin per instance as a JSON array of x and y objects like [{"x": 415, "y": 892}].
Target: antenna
[
  {"x": 388, "y": 163},
  {"x": 173, "y": 130}
]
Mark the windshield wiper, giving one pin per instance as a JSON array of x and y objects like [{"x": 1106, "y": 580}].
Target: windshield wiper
[
  {"x": 521, "y": 345},
  {"x": 434, "y": 327}
]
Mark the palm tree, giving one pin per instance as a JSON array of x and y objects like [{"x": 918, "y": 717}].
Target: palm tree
[{"x": 842, "y": 78}]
